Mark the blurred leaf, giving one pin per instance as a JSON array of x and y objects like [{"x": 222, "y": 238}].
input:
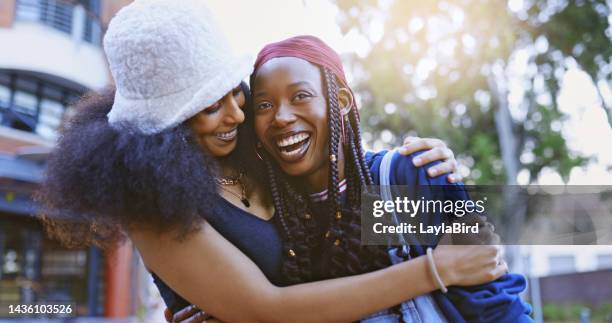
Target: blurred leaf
[{"x": 435, "y": 62}]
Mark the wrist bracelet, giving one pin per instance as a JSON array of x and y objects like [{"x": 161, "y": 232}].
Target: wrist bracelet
[{"x": 434, "y": 271}]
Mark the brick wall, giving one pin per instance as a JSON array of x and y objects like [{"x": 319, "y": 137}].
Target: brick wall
[
  {"x": 7, "y": 13},
  {"x": 109, "y": 8}
]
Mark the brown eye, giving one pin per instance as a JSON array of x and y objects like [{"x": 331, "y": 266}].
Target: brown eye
[
  {"x": 301, "y": 96},
  {"x": 263, "y": 106},
  {"x": 213, "y": 108}
]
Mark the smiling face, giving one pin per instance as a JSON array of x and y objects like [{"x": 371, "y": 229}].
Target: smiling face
[
  {"x": 216, "y": 126},
  {"x": 291, "y": 115}
]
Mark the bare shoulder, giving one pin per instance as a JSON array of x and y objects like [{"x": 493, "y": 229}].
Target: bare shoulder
[
  {"x": 203, "y": 261},
  {"x": 158, "y": 247}
]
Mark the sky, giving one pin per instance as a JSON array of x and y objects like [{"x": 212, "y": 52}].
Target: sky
[{"x": 251, "y": 24}]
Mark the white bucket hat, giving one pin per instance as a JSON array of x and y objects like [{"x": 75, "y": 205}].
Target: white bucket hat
[{"x": 169, "y": 61}]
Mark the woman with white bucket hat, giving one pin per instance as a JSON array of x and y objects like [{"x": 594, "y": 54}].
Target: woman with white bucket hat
[{"x": 154, "y": 166}]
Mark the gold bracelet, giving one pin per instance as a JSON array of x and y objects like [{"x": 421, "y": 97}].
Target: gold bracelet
[{"x": 434, "y": 271}]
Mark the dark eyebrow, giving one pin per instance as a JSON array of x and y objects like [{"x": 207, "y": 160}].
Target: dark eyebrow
[
  {"x": 302, "y": 83},
  {"x": 296, "y": 84},
  {"x": 258, "y": 94}
]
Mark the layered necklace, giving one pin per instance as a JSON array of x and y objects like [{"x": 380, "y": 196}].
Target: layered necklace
[{"x": 229, "y": 181}]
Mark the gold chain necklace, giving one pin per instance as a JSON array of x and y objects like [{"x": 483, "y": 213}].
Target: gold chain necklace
[{"x": 228, "y": 181}]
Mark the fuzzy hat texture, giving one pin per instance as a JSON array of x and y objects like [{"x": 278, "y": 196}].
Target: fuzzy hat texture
[{"x": 169, "y": 61}]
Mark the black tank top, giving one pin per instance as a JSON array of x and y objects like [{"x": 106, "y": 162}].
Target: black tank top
[{"x": 256, "y": 238}]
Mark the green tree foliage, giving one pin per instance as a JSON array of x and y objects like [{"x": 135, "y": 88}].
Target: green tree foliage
[{"x": 447, "y": 68}]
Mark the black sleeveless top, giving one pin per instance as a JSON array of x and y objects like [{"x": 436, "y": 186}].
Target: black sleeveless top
[{"x": 256, "y": 238}]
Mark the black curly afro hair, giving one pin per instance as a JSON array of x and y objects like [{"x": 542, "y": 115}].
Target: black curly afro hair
[{"x": 100, "y": 181}]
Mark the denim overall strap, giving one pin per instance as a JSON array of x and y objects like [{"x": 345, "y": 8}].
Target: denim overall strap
[{"x": 421, "y": 309}]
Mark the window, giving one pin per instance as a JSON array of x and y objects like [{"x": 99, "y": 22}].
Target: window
[
  {"x": 27, "y": 10},
  {"x": 25, "y": 102},
  {"x": 93, "y": 30},
  {"x": 37, "y": 105},
  {"x": 5, "y": 100},
  {"x": 604, "y": 261},
  {"x": 60, "y": 15},
  {"x": 49, "y": 119},
  {"x": 25, "y": 111},
  {"x": 5, "y": 96},
  {"x": 561, "y": 264},
  {"x": 55, "y": 14}
]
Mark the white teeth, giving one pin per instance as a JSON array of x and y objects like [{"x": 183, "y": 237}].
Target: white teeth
[
  {"x": 288, "y": 141},
  {"x": 290, "y": 153},
  {"x": 227, "y": 135}
]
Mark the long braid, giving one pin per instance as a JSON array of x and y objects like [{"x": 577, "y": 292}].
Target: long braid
[
  {"x": 296, "y": 266},
  {"x": 303, "y": 219},
  {"x": 289, "y": 266},
  {"x": 336, "y": 232},
  {"x": 351, "y": 257},
  {"x": 356, "y": 132},
  {"x": 357, "y": 170},
  {"x": 360, "y": 169},
  {"x": 377, "y": 256},
  {"x": 333, "y": 112},
  {"x": 347, "y": 256}
]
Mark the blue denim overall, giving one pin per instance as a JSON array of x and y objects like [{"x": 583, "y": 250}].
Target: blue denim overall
[{"x": 421, "y": 309}]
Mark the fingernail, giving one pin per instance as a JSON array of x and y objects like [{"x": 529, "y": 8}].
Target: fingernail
[
  {"x": 433, "y": 172},
  {"x": 452, "y": 178},
  {"x": 417, "y": 161}
]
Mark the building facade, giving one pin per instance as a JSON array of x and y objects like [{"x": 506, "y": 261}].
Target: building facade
[{"x": 50, "y": 56}]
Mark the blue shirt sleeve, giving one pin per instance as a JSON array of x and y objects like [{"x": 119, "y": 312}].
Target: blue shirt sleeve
[{"x": 497, "y": 301}]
